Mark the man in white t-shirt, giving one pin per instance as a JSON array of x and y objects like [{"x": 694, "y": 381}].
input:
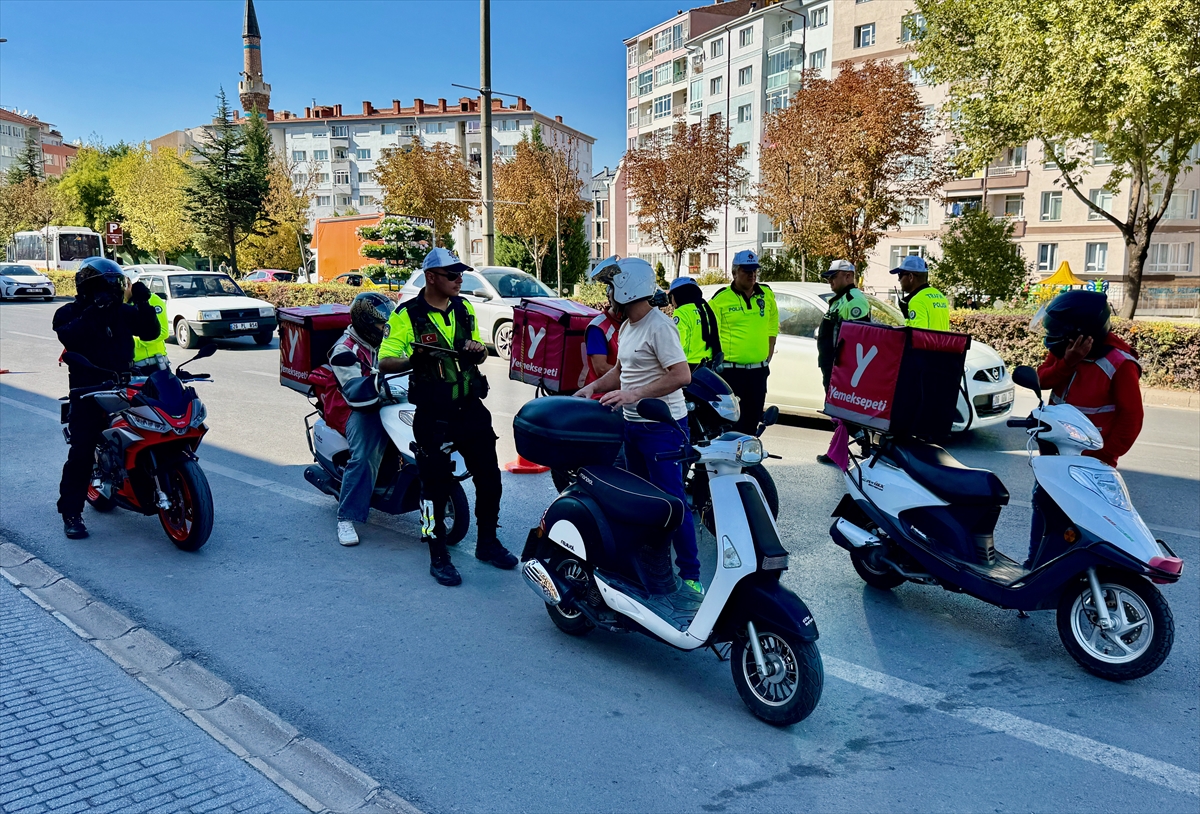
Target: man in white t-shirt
[{"x": 651, "y": 364}]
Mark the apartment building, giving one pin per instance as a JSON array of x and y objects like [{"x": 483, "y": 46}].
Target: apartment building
[
  {"x": 600, "y": 193},
  {"x": 748, "y": 65},
  {"x": 14, "y": 128}
]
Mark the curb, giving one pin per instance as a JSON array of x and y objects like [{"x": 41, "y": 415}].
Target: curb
[
  {"x": 317, "y": 778},
  {"x": 1184, "y": 399}
]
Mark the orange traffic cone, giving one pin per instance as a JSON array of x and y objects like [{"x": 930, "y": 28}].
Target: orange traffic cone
[{"x": 523, "y": 467}]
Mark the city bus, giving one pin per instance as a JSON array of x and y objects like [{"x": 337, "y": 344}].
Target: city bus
[{"x": 55, "y": 248}]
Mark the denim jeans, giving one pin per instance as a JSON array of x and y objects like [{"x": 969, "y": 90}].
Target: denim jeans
[
  {"x": 643, "y": 440},
  {"x": 368, "y": 441}
]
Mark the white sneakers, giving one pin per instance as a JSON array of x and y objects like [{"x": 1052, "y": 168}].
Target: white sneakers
[{"x": 346, "y": 533}]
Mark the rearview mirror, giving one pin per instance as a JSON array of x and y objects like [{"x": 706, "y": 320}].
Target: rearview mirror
[
  {"x": 770, "y": 416},
  {"x": 655, "y": 410},
  {"x": 205, "y": 352},
  {"x": 1027, "y": 377}
]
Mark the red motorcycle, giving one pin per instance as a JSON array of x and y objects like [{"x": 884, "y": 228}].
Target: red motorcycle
[{"x": 146, "y": 462}]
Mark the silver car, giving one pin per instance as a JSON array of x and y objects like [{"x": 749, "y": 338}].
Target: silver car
[
  {"x": 20, "y": 282},
  {"x": 492, "y": 292}
]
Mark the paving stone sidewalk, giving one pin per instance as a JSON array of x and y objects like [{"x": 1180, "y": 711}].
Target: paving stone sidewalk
[{"x": 79, "y": 734}]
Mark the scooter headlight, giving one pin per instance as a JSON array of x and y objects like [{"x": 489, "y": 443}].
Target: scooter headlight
[
  {"x": 1091, "y": 440},
  {"x": 1107, "y": 485},
  {"x": 199, "y": 414},
  {"x": 749, "y": 451}
]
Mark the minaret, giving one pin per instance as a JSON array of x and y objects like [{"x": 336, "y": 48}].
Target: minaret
[{"x": 253, "y": 92}]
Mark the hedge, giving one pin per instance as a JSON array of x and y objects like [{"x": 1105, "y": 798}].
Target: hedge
[
  {"x": 1169, "y": 352},
  {"x": 290, "y": 295}
]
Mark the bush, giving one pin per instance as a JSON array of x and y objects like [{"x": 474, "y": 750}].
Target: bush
[
  {"x": 64, "y": 281},
  {"x": 1169, "y": 353},
  {"x": 593, "y": 294},
  {"x": 291, "y": 295},
  {"x": 712, "y": 277}
]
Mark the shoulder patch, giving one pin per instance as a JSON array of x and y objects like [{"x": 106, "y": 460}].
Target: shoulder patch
[
  {"x": 912, "y": 314},
  {"x": 856, "y": 312},
  {"x": 158, "y": 309},
  {"x": 387, "y": 329},
  {"x": 676, "y": 319}
]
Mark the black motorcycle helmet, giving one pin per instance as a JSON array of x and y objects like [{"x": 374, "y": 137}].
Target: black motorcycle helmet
[
  {"x": 100, "y": 280},
  {"x": 369, "y": 312},
  {"x": 1073, "y": 314}
]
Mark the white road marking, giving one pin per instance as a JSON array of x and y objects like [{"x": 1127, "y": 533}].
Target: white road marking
[
  {"x": 1145, "y": 768},
  {"x": 20, "y": 405},
  {"x": 35, "y": 336},
  {"x": 312, "y": 498},
  {"x": 1165, "y": 446}
]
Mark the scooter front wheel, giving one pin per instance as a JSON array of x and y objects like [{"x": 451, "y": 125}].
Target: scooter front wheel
[
  {"x": 458, "y": 515},
  {"x": 790, "y": 690},
  {"x": 1143, "y": 631}
]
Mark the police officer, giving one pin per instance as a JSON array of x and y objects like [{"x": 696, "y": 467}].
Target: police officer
[
  {"x": 923, "y": 305},
  {"x": 748, "y": 323},
  {"x": 150, "y": 356},
  {"x": 847, "y": 303},
  {"x": 101, "y": 327},
  {"x": 436, "y": 336},
  {"x": 696, "y": 323}
]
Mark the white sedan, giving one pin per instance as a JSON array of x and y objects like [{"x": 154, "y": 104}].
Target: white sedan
[
  {"x": 19, "y": 282},
  {"x": 205, "y": 305},
  {"x": 795, "y": 381},
  {"x": 492, "y": 292}
]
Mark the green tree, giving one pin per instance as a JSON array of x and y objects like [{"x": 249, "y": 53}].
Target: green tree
[
  {"x": 33, "y": 205},
  {"x": 511, "y": 251},
  {"x": 28, "y": 163},
  {"x": 400, "y": 243},
  {"x": 279, "y": 238},
  {"x": 227, "y": 186},
  {"x": 980, "y": 261},
  {"x": 148, "y": 188},
  {"x": 1095, "y": 81}
]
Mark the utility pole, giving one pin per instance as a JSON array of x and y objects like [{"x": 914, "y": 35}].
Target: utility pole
[{"x": 485, "y": 127}]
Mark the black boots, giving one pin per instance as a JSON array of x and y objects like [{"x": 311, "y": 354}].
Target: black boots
[
  {"x": 488, "y": 549},
  {"x": 440, "y": 567},
  {"x": 73, "y": 527}
]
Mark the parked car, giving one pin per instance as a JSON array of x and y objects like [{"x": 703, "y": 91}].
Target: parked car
[
  {"x": 206, "y": 305},
  {"x": 21, "y": 282},
  {"x": 795, "y": 381},
  {"x": 270, "y": 276},
  {"x": 492, "y": 291},
  {"x": 355, "y": 279}
]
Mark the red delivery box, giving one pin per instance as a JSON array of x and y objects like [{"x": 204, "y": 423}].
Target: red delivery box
[
  {"x": 548, "y": 348},
  {"x": 306, "y": 334},
  {"x": 902, "y": 381}
]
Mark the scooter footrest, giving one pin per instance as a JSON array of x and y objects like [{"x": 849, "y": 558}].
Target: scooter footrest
[{"x": 661, "y": 605}]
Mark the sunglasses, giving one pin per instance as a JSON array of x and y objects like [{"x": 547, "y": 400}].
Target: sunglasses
[{"x": 452, "y": 276}]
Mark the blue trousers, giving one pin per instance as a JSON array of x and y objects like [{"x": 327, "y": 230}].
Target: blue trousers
[
  {"x": 368, "y": 442},
  {"x": 643, "y": 440}
]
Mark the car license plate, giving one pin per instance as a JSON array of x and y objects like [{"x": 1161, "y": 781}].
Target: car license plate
[
  {"x": 243, "y": 326},
  {"x": 1000, "y": 399}
]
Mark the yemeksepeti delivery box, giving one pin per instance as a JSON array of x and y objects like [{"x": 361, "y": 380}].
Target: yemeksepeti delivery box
[
  {"x": 902, "y": 381},
  {"x": 548, "y": 347},
  {"x": 306, "y": 333}
]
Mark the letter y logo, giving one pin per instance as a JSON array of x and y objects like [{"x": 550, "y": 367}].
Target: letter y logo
[
  {"x": 535, "y": 339},
  {"x": 863, "y": 361}
]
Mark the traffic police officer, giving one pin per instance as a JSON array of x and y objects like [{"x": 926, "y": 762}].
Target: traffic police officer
[
  {"x": 696, "y": 323},
  {"x": 923, "y": 305},
  {"x": 748, "y": 323},
  {"x": 848, "y": 303},
  {"x": 436, "y": 336},
  {"x": 150, "y": 356}
]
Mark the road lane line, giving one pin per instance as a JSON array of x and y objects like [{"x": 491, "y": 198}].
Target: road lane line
[
  {"x": 1136, "y": 765},
  {"x": 1165, "y": 446},
  {"x": 20, "y": 405},
  {"x": 35, "y": 336}
]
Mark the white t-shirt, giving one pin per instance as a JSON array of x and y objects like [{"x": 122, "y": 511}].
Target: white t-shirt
[{"x": 645, "y": 350}]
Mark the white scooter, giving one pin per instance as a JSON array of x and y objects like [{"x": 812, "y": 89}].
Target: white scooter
[
  {"x": 914, "y": 513},
  {"x": 585, "y": 558}
]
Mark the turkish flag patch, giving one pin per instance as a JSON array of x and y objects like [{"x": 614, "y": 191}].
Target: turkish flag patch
[{"x": 429, "y": 339}]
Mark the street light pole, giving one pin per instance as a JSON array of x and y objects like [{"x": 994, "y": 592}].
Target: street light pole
[{"x": 485, "y": 127}]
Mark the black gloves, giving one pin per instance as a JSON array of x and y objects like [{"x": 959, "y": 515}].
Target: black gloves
[{"x": 140, "y": 293}]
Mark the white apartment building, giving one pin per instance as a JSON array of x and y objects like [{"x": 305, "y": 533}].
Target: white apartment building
[{"x": 600, "y": 194}]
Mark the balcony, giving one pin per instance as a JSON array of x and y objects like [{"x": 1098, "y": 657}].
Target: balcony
[
  {"x": 782, "y": 40},
  {"x": 772, "y": 238},
  {"x": 964, "y": 185},
  {"x": 1018, "y": 223},
  {"x": 1007, "y": 177},
  {"x": 792, "y": 76}
]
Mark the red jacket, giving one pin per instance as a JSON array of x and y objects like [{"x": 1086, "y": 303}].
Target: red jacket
[
  {"x": 1106, "y": 390},
  {"x": 611, "y": 331}
]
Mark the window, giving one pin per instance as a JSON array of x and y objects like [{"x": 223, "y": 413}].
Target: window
[
  {"x": 1102, "y": 199},
  {"x": 472, "y": 127},
  {"x": 816, "y": 60},
  {"x": 662, "y": 75},
  {"x": 338, "y": 131},
  {"x": 633, "y": 87},
  {"x": 367, "y": 200},
  {"x": 321, "y": 177},
  {"x": 744, "y": 113},
  {"x": 716, "y": 48},
  {"x": 366, "y": 178},
  {"x": 1170, "y": 258},
  {"x": 746, "y": 37},
  {"x": 744, "y": 146},
  {"x": 631, "y": 56},
  {"x": 914, "y": 76},
  {"x": 1051, "y": 206},
  {"x": 900, "y": 252},
  {"x": 399, "y": 129},
  {"x": 506, "y": 151},
  {"x": 343, "y": 200},
  {"x": 1096, "y": 258},
  {"x": 508, "y": 125},
  {"x": 797, "y": 316},
  {"x": 662, "y": 106},
  {"x": 341, "y": 177},
  {"x": 299, "y": 178},
  {"x": 663, "y": 42},
  {"x": 696, "y": 95},
  {"x": 320, "y": 155},
  {"x": 631, "y": 119},
  {"x": 299, "y": 155},
  {"x": 741, "y": 225},
  {"x": 864, "y": 35},
  {"x": 743, "y": 187},
  {"x": 917, "y": 214},
  {"x": 1014, "y": 206},
  {"x": 912, "y": 26},
  {"x": 340, "y": 153},
  {"x": 435, "y": 127},
  {"x": 633, "y": 234},
  {"x": 955, "y": 207},
  {"x": 477, "y": 246},
  {"x": 714, "y": 260},
  {"x": 1100, "y": 154},
  {"x": 746, "y": 75},
  {"x": 1047, "y": 257},
  {"x": 361, "y": 153},
  {"x": 1048, "y": 155},
  {"x": 818, "y": 17},
  {"x": 776, "y": 100},
  {"x": 645, "y": 82},
  {"x": 715, "y": 84},
  {"x": 322, "y": 200},
  {"x": 1182, "y": 204}
]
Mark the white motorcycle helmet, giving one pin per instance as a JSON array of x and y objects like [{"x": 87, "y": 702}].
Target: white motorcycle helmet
[{"x": 633, "y": 281}]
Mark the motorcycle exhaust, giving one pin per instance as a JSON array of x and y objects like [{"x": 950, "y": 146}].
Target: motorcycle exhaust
[
  {"x": 541, "y": 581},
  {"x": 319, "y": 478},
  {"x": 850, "y": 536}
]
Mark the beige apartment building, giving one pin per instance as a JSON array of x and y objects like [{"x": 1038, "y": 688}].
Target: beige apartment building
[{"x": 744, "y": 65}]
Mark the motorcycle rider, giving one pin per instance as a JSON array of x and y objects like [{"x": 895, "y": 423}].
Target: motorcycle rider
[
  {"x": 847, "y": 303},
  {"x": 651, "y": 364},
  {"x": 149, "y": 356},
  {"x": 696, "y": 323},
  {"x": 101, "y": 327},
  {"x": 369, "y": 314},
  {"x": 923, "y": 305},
  {"x": 436, "y": 335},
  {"x": 748, "y": 324}
]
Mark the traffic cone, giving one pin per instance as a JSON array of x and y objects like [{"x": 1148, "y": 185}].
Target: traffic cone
[{"x": 523, "y": 467}]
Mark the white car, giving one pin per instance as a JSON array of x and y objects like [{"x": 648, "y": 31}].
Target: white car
[
  {"x": 21, "y": 282},
  {"x": 795, "y": 381},
  {"x": 492, "y": 292},
  {"x": 205, "y": 305}
]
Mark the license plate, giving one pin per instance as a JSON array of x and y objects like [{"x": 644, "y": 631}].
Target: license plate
[
  {"x": 243, "y": 326},
  {"x": 1000, "y": 399}
]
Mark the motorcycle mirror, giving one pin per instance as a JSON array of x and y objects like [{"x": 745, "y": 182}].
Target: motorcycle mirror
[
  {"x": 203, "y": 352},
  {"x": 78, "y": 360},
  {"x": 343, "y": 359},
  {"x": 1027, "y": 377},
  {"x": 770, "y": 417},
  {"x": 655, "y": 410}
]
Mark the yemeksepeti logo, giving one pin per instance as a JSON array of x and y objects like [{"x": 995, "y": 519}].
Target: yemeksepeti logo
[
  {"x": 536, "y": 335},
  {"x": 856, "y": 399},
  {"x": 863, "y": 361}
]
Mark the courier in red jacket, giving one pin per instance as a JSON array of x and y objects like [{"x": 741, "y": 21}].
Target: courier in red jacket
[{"x": 1092, "y": 369}]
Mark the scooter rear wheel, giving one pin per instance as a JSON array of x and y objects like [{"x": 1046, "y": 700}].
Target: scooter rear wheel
[
  {"x": 791, "y": 692},
  {"x": 881, "y": 577},
  {"x": 458, "y": 515},
  {"x": 570, "y": 620},
  {"x": 1141, "y": 640}
]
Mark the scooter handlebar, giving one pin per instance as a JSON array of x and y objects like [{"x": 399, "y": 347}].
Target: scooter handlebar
[{"x": 1023, "y": 423}]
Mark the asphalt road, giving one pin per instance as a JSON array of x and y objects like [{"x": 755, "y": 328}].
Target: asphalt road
[{"x": 469, "y": 699}]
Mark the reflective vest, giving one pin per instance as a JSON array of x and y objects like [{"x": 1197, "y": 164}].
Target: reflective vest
[
  {"x": 852, "y": 305},
  {"x": 442, "y": 381},
  {"x": 155, "y": 347},
  {"x": 1089, "y": 390},
  {"x": 605, "y": 323},
  {"x": 746, "y": 324},
  {"x": 926, "y": 308}
]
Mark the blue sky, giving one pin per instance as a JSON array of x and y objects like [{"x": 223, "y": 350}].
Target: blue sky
[{"x": 136, "y": 70}]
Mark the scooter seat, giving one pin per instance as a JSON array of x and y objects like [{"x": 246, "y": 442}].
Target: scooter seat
[
  {"x": 631, "y": 500},
  {"x": 941, "y": 473}
]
